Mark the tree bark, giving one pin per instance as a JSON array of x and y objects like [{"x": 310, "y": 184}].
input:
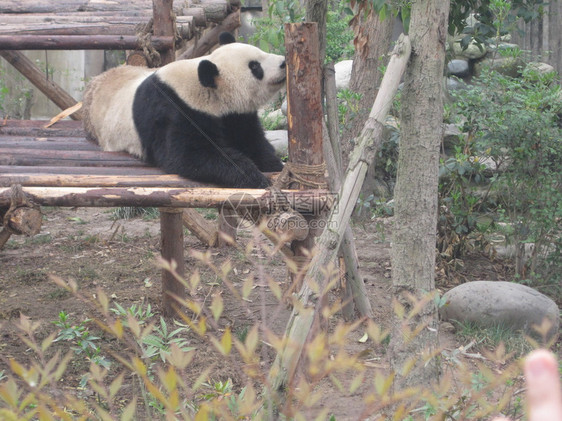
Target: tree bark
[
  {"x": 415, "y": 196},
  {"x": 372, "y": 43}
]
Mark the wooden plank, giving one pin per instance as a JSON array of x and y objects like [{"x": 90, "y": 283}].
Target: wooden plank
[
  {"x": 68, "y": 158},
  {"x": 31, "y": 140},
  {"x": 80, "y": 42},
  {"x": 108, "y": 170},
  {"x": 48, "y": 145},
  {"x": 50, "y": 6},
  {"x": 63, "y": 124},
  {"x": 73, "y": 180}
]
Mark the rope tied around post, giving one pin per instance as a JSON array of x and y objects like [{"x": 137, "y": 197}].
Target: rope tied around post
[{"x": 302, "y": 174}]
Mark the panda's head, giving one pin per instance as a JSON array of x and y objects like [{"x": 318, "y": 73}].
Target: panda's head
[
  {"x": 243, "y": 77},
  {"x": 235, "y": 78}
]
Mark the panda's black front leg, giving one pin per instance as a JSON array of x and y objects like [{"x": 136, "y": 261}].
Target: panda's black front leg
[
  {"x": 226, "y": 167},
  {"x": 245, "y": 133}
]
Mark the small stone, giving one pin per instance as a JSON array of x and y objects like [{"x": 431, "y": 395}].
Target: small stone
[
  {"x": 458, "y": 67},
  {"x": 487, "y": 303}
]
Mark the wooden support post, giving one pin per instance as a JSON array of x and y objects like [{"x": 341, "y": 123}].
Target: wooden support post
[
  {"x": 171, "y": 231},
  {"x": 171, "y": 223},
  {"x": 53, "y": 91},
  {"x": 304, "y": 108},
  {"x": 164, "y": 25}
]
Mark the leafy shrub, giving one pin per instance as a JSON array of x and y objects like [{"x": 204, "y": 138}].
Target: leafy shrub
[{"x": 515, "y": 124}]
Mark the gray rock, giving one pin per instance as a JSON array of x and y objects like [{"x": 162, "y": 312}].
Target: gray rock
[
  {"x": 541, "y": 68},
  {"x": 458, "y": 68},
  {"x": 473, "y": 51},
  {"x": 487, "y": 303},
  {"x": 343, "y": 74},
  {"x": 454, "y": 84},
  {"x": 509, "y": 66},
  {"x": 280, "y": 141}
]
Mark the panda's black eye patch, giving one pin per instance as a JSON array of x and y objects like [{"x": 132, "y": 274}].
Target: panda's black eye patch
[{"x": 256, "y": 69}]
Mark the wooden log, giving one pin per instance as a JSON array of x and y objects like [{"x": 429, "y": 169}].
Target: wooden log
[
  {"x": 61, "y": 6},
  {"x": 80, "y": 24},
  {"x": 80, "y": 42},
  {"x": 211, "y": 37},
  {"x": 171, "y": 233},
  {"x": 288, "y": 225},
  {"x": 37, "y": 128},
  {"x": 302, "y": 317},
  {"x": 214, "y": 11},
  {"x": 205, "y": 231},
  {"x": 28, "y": 69},
  {"x": 9, "y": 170},
  {"x": 23, "y": 217},
  {"x": 89, "y": 7},
  {"x": 5, "y": 235},
  {"x": 196, "y": 197},
  {"x": 53, "y": 145},
  {"x": 68, "y": 158},
  {"x": 71, "y": 180}
]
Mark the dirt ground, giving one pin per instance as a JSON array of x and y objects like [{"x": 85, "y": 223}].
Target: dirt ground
[{"x": 89, "y": 246}]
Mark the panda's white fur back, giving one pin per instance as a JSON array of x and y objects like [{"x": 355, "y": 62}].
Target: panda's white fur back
[{"x": 109, "y": 108}]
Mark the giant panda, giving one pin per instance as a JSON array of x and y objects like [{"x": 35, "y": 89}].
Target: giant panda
[{"x": 196, "y": 118}]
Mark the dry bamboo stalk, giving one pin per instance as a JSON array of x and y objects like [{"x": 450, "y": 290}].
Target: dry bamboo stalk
[{"x": 304, "y": 313}]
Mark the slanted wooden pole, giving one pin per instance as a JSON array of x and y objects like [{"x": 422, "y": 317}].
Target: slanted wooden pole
[
  {"x": 368, "y": 143},
  {"x": 53, "y": 91},
  {"x": 171, "y": 224}
]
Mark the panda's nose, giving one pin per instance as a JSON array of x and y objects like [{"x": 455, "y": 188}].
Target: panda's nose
[{"x": 282, "y": 65}]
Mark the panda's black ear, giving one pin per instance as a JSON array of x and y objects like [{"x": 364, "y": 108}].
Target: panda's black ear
[
  {"x": 207, "y": 72},
  {"x": 226, "y": 38}
]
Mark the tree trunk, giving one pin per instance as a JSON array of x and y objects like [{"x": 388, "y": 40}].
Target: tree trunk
[
  {"x": 415, "y": 196},
  {"x": 372, "y": 42}
]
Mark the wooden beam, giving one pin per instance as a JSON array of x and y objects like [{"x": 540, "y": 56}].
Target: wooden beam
[
  {"x": 71, "y": 180},
  {"x": 53, "y": 91},
  {"x": 211, "y": 37},
  {"x": 80, "y": 42},
  {"x": 196, "y": 197}
]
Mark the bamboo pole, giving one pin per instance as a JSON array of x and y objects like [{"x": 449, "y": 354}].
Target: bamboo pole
[
  {"x": 303, "y": 315},
  {"x": 354, "y": 291},
  {"x": 53, "y": 91}
]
